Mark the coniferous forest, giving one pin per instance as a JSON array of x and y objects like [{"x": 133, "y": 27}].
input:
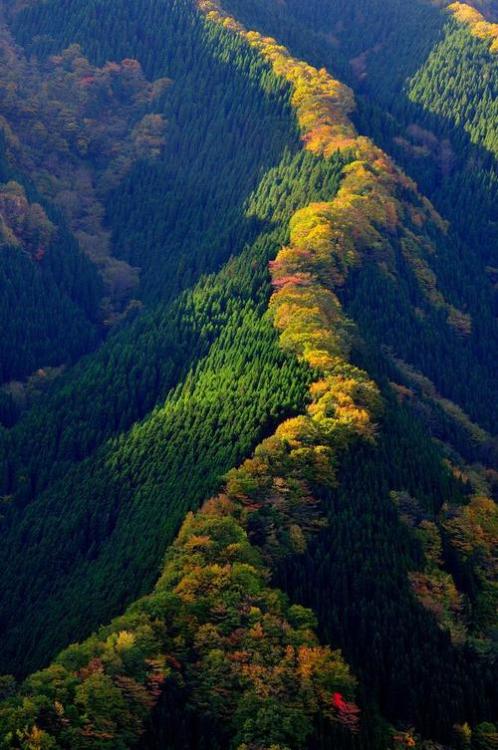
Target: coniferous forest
[{"x": 248, "y": 375}]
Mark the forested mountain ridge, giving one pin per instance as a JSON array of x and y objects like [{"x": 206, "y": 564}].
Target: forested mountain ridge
[
  {"x": 214, "y": 641},
  {"x": 206, "y": 330},
  {"x": 322, "y": 134},
  {"x": 290, "y": 499},
  {"x": 370, "y": 118},
  {"x": 461, "y": 212}
]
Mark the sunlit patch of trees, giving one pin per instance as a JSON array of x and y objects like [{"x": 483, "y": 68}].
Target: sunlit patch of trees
[{"x": 477, "y": 23}]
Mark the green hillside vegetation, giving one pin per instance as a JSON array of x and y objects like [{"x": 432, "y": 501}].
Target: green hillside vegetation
[
  {"x": 187, "y": 357},
  {"x": 315, "y": 350},
  {"x": 46, "y": 279}
]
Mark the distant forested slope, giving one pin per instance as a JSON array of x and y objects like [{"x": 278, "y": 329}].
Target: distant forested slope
[{"x": 50, "y": 298}]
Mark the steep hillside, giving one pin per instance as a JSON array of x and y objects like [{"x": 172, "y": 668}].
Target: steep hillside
[
  {"x": 189, "y": 351},
  {"x": 382, "y": 50},
  {"x": 92, "y": 138},
  {"x": 318, "y": 357},
  {"x": 50, "y": 298}
]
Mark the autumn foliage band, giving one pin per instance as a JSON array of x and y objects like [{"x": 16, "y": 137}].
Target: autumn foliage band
[{"x": 477, "y": 24}]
